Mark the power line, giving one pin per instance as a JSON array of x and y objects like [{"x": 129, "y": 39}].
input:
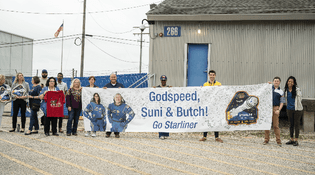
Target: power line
[
  {"x": 108, "y": 30},
  {"x": 44, "y": 39},
  {"x": 116, "y": 42},
  {"x": 110, "y": 54},
  {"x": 73, "y": 13},
  {"x": 68, "y": 37}
]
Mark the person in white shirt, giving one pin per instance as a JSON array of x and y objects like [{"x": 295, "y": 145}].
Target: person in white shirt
[{"x": 62, "y": 86}]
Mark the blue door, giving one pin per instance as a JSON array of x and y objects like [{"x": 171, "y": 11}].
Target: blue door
[{"x": 197, "y": 64}]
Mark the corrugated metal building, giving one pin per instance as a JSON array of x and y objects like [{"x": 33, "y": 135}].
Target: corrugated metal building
[
  {"x": 246, "y": 41},
  {"x": 16, "y": 54}
]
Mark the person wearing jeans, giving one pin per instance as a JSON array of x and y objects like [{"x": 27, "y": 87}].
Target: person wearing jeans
[
  {"x": 74, "y": 106},
  {"x": 34, "y": 99}
]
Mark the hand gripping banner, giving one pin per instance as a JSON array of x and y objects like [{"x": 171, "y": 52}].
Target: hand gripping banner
[{"x": 178, "y": 109}]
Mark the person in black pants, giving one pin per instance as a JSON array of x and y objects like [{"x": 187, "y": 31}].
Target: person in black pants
[
  {"x": 19, "y": 92},
  {"x": 51, "y": 85}
]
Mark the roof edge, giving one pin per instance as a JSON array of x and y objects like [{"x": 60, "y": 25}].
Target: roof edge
[
  {"x": 16, "y": 35},
  {"x": 232, "y": 17}
]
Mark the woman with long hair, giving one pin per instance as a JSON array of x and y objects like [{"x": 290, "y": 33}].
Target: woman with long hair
[
  {"x": 51, "y": 85},
  {"x": 74, "y": 105},
  {"x": 96, "y": 113},
  {"x": 34, "y": 105},
  {"x": 293, "y": 96},
  {"x": 20, "y": 89}
]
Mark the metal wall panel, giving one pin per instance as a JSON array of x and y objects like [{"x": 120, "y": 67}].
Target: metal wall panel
[
  {"x": 244, "y": 52},
  {"x": 15, "y": 58}
]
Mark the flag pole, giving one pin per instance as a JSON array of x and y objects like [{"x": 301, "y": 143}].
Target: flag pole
[{"x": 63, "y": 28}]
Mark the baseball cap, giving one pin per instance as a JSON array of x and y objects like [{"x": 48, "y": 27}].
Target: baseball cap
[
  {"x": 163, "y": 77},
  {"x": 44, "y": 71}
]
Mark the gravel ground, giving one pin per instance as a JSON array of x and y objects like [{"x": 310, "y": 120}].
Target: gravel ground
[{"x": 143, "y": 153}]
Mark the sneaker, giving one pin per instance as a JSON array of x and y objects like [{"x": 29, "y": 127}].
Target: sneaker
[
  {"x": 279, "y": 144},
  {"x": 218, "y": 140},
  {"x": 162, "y": 137},
  {"x": 296, "y": 143},
  {"x": 265, "y": 143},
  {"x": 87, "y": 134},
  {"x": 68, "y": 134},
  {"x": 291, "y": 142},
  {"x": 117, "y": 135},
  {"x": 107, "y": 135},
  {"x": 203, "y": 139},
  {"x": 94, "y": 134}
]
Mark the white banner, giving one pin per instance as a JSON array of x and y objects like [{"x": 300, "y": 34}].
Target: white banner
[{"x": 179, "y": 109}]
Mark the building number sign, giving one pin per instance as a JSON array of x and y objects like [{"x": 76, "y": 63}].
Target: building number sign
[{"x": 172, "y": 31}]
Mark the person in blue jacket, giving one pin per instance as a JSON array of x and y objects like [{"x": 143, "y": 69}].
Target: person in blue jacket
[
  {"x": 34, "y": 99},
  {"x": 96, "y": 113},
  {"x": 117, "y": 115}
]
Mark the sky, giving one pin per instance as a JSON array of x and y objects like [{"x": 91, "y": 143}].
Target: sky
[{"x": 113, "y": 46}]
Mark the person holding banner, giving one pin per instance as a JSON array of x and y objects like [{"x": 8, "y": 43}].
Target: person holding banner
[
  {"x": 117, "y": 115},
  {"x": 278, "y": 100},
  {"x": 113, "y": 84},
  {"x": 92, "y": 81},
  {"x": 51, "y": 85},
  {"x": 5, "y": 91},
  {"x": 212, "y": 82},
  {"x": 20, "y": 89},
  {"x": 74, "y": 105},
  {"x": 163, "y": 78},
  {"x": 293, "y": 96},
  {"x": 96, "y": 113}
]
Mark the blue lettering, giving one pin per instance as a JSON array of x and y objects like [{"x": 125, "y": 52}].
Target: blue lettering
[
  {"x": 179, "y": 112},
  {"x": 176, "y": 97},
  {"x": 187, "y": 97},
  {"x": 157, "y": 125},
  {"x": 167, "y": 124},
  {"x": 144, "y": 112},
  {"x": 170, "y": 97},
  {"x": 182, "y": 97},
  {"x": 152, "y": 98}
]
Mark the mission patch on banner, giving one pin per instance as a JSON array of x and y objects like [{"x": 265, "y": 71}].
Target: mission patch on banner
[{"x": 242, "y": 109}]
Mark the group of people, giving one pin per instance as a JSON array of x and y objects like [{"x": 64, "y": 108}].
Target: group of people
[
  {"x": 292, "y": 96},
  {"x": 36, "y": 98}
]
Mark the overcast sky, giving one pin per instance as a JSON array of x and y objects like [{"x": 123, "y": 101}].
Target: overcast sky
[{"x": 109, "y": 18}]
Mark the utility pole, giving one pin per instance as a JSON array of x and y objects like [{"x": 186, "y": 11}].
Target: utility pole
[
  {"x": 83, "y": 40},
  {"x": 141, "y": 27}
]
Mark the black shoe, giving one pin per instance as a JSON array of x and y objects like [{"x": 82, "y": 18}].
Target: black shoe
[
  {"x": 107, "y": 135},
  {"x": 55, "y": 134},
  {"x": 12, "y": 130},
  {"x": 34, "y": 132},
  {"x": 28, "y": 133},
  {"x": 47, "y": 134},
  {"x": 68, "y": 134},
  {"x": 75, "y": 134},
  {"x": 296, "y": 143},
  {"x": 291, "y": 142},
  {"x": 117, "y": 136}
]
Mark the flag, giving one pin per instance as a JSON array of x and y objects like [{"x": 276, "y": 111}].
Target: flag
[{"x": 58, "y": 31}]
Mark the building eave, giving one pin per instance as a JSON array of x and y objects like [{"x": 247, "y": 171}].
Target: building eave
[{"x": 232, "y": 17}]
